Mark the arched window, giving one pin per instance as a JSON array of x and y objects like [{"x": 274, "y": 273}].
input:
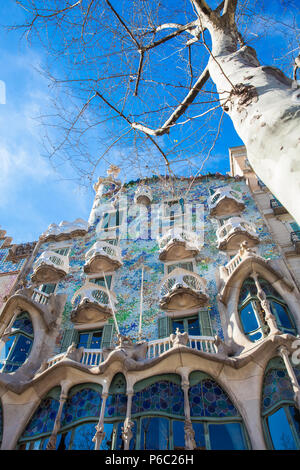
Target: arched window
[
  {"x": 216, "y": 422},
  {"x": 40, "y": 426},
  {"x": 78, "y": 420},
  {"x": 281, "y": 419},
  {"x": 158, "y": 413},
  {"x": 252, "y": 315},
  {"x": 18, "y": 345}
]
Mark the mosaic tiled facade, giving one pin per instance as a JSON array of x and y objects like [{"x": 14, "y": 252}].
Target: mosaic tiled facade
[{"x": 137, "y": 335}]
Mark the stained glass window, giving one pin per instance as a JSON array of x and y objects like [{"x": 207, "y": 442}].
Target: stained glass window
[
  {"x": 277, "y": 387},
  {"x": 161, "y": 397},
  {"x": 208, "y": 399},
  {"x": 84, "y": 403},
  {"x": 43, "y": 419}
]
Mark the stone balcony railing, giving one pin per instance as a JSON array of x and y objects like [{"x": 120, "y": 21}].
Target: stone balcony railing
[
  {"x": 40, "y": 297},
  {"x": 102, "y": 257},
  {"x": 234, "y": 231},
  {"x": 181, "y": 290},
  {"x": 143, "y": 195},
  {"x": 65, "y": 230},
  {"x": 225, "y": 201},
  {"x": 242, "y": 255},
  {"x": 178, "y": 244},
  {"x": 92, "y": 303},
  {"x": 154, "y": 348},
  {"x": 50, "y": 267}
]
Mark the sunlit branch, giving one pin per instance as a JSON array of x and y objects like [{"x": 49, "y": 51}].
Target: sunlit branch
[{"x": 164, "y": 129}]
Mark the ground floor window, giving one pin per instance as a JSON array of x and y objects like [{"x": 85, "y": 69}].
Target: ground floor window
[{"x": 283, "y": 426}]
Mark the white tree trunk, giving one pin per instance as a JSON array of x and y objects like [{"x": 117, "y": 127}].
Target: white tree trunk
[{"x": 265, "y": 112}]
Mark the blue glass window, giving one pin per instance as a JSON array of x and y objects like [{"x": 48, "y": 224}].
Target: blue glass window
[
  {"x": 18, "y": 346},
  {"x": 226, "y": 436},
  {"x": 281, "y": 431},
  {"x": 155, "y": 433}
]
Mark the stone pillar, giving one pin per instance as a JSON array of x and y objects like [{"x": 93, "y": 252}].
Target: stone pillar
[
  {"x": 100, "y": 434},
  {"x": 128, "y": 424},
  {"x": 51, "y": 445},
  {"x": 270, "y": 319},
  {"x": 283, "y": 351},
  {"x": 189, "y": 433}
]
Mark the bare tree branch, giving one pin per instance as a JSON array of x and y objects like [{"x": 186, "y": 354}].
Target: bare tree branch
[
  {"x": 164, "y": 129},
  {"x": 123, "y": 24}
]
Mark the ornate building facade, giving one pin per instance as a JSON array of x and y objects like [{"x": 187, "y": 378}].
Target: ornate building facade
[{"x": 169, "y": 320}]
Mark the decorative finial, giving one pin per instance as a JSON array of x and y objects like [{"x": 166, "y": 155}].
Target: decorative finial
[{"x": 113, "y": 170}]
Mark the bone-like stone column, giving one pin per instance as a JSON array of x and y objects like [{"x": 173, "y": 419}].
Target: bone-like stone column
[
  {"x": 128, "y": 424},
  {"x": 283, "y": 351},
  {"x": 51, "y": 445},
  {"x": 270, "y": 319},
  {"x": 189, "y": 433},
  {"x": 100, "y": 434}
]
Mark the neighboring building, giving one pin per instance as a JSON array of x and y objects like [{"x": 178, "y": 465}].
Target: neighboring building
[{"x": 168, "y": 321}]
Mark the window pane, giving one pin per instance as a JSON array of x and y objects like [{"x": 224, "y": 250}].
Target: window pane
[
  {"x": 178, "y": 435},
  {"x": 227, "y": 436},
  {"x": 101, "y": 282},
  {"x": 155, "y": 434},
  {"x": 36, "y": 445},
  {"x": 280, "y": 431},
  {"x": 178, "y": 324},
  {"x": 48, "y": 288},
  {"x": 248, "y": 318},
  {"x": 83, "y": 435},
  {"x": 107, "y": 441},
  {"x": 199, "y": 436},
  {"x": 20, "y": 351},
  {"x": 193, "y": 327},
  {"x": 63, "y": 441},
  {"x": 83, "y": 340},
  {"x": 280, "y": 312},
  {"x": 295, "y": 414},
  {"x": 119, "y": 443},
  {"x": 96, "y": 340}
]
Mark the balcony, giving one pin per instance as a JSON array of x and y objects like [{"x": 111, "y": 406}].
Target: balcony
[
  {"x": 155, "y": 348},
  {"x": 50, "y": 267},
  {"x": 91, "y": 304},
  {"x": 65, "y": 230},
  {"x": 182, "y": 290},
  {"x": 40, "y": 297},
  {"x": 277, "y": 207},
  {"x": 295, "y": 239},
  {"x": 225, "y": 201},
  {"x": 143, "y": 195},
  {"x": 177, "y": 244},
  {"x": 102, "y": 257},
  {"x": 235, "y": 231}
]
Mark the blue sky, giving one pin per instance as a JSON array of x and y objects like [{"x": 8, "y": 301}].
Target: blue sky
[{"x": 35, "y": 193}]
